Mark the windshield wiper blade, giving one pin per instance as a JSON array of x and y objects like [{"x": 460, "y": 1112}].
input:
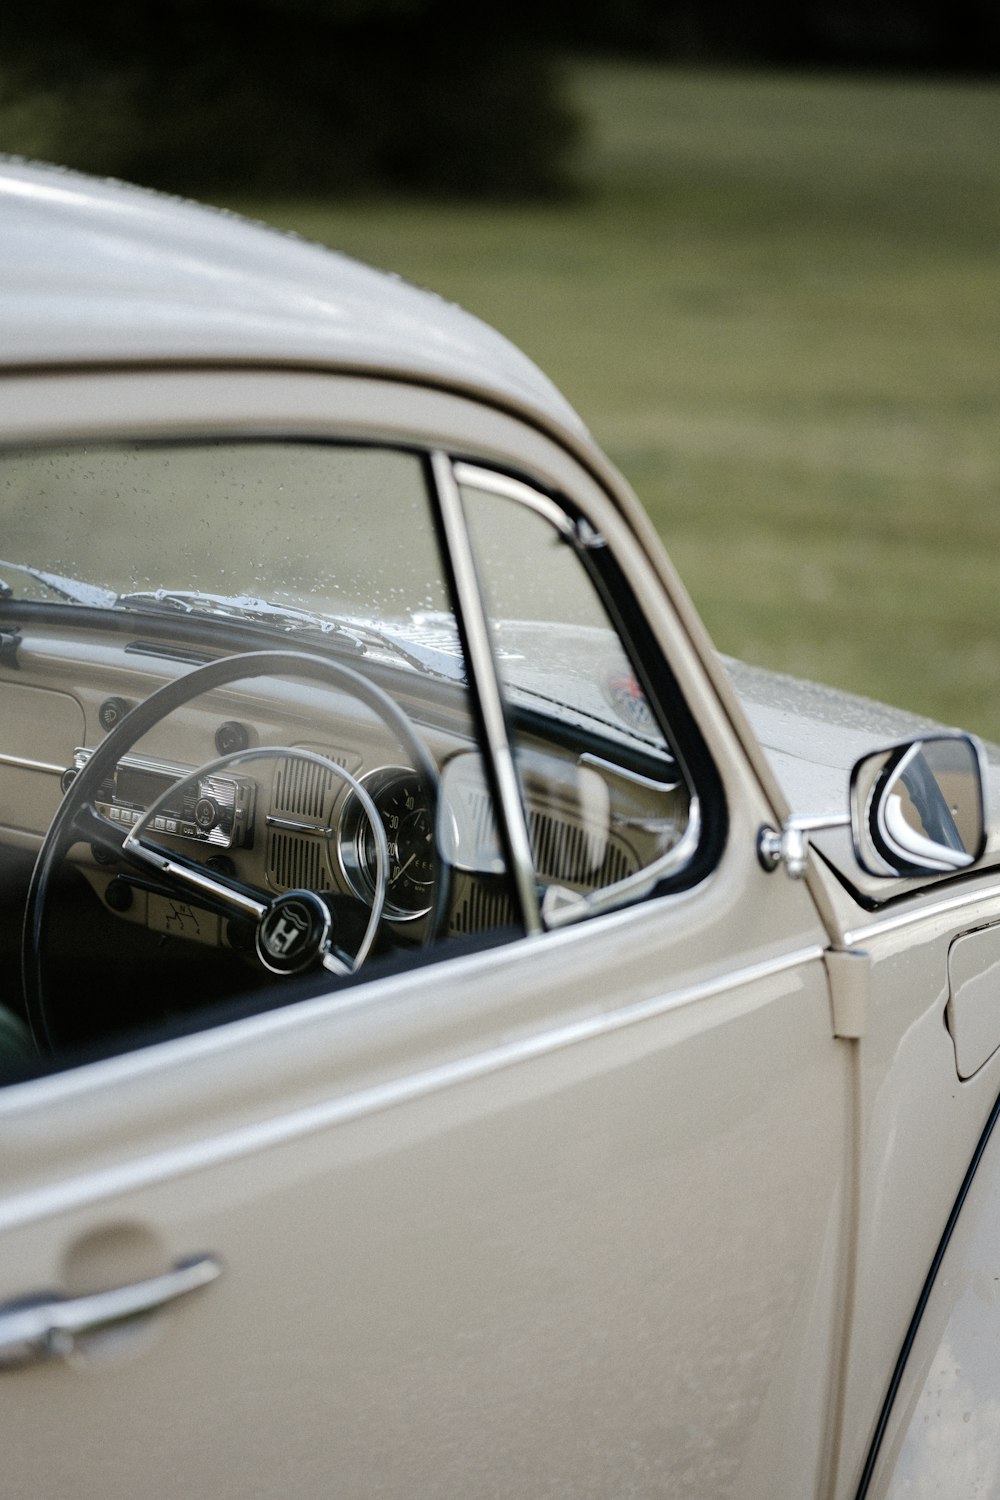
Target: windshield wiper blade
[
  {"x": 73, "y": 589},
  {"x": 237, "y": 607},
  {"x": 364, "y": 636},
  {"x": 436, "y": 651}
]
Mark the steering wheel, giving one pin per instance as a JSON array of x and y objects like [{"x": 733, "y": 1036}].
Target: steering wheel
[{"x": 293, "y": 931}]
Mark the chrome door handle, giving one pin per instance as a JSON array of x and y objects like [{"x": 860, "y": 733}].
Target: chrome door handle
[{"x": 46, "y": 1325}]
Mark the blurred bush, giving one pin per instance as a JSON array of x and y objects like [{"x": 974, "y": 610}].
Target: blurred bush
[{"x": 285, "y": 95}]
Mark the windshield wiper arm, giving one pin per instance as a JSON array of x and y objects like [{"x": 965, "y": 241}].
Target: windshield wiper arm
[
  {"x": 237, "y": 607},
  {"x": 363, "y": 635},
  {"x": 73, "y": 589}
]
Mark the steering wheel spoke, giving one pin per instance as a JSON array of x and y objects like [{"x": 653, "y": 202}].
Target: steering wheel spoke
[
  {"x": 88, "y": 826},
  {"x": 337, "y": 963},
  {"x": 195, "y": 879}
]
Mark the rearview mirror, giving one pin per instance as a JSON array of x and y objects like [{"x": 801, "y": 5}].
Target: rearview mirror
[{"x": 919, "y": 807}]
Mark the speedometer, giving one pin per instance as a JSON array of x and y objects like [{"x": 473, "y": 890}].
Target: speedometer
[{"x": 408, "y": 820}]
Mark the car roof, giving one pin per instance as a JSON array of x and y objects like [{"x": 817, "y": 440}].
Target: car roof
[{"x": 98, "y": 271}]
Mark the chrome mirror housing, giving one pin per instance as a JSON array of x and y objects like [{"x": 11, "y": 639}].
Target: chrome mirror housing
[{"x": 919, "y": 807}]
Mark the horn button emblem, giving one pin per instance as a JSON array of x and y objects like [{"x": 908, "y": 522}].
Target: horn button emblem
[{"x": 293, "y": 933}]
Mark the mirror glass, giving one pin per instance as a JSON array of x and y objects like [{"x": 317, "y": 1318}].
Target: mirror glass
[{"x": 918, "y": 808}]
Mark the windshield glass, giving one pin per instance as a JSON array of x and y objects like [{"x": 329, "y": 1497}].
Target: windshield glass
[{"x": 337, "y": 531}]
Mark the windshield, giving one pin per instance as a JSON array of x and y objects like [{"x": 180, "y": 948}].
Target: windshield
[{"x": 330, "y": 531}]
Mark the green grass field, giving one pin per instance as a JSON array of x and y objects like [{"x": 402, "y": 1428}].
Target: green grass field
[{"x": 776, "y": 302}]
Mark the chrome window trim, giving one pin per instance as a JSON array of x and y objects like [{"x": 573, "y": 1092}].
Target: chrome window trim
[
  {"x": 560, "y": 908},
  {"x": 495, "y": 483},
  {"x": 593, "y": 903},
  {"x": 485, "y": 683},
  {"x": 650, "y": 783}
]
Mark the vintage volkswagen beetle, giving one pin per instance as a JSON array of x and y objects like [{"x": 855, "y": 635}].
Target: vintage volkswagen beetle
[{"x": 557, "y": 1062}]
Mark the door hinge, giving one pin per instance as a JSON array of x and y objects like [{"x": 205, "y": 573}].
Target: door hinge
[{"x": 848, "y": 971}]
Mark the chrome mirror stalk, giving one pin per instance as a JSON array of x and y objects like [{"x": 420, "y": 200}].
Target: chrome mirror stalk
[{"x": 790, "y": 845}]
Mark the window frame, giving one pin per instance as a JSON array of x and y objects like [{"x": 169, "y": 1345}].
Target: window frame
[{"x": 700, "y": 847}]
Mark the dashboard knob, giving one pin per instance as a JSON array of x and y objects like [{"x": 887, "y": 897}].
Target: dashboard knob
[
  {"x": 112, "y": 711},
  {"x": 119, "y": 895},
  {"x": 231, "y": 736}
]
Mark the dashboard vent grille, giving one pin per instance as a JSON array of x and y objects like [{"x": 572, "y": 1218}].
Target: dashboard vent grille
[
  {"x": 480, "y": 910},
  {"x": 571, "y": 853},
  {"x": 562, "y": 850},
  {"x": 295, "y": 863},
  {"x": 301, "y": 787}
]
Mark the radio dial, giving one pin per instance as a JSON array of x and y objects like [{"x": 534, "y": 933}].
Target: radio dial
[{"x": 206, "y": 813}]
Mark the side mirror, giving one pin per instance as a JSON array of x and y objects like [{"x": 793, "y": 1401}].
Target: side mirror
[{"x": 919, "y": 807}]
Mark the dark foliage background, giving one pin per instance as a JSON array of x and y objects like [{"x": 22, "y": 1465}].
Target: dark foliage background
[
  {"x": 950, "y": 36},
  {"x": 324, "y": 95},
  {"x": 419, "y": 96}
]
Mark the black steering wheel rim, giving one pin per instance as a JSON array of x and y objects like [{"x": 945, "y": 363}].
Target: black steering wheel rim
[{"x": 63, "y": 831}]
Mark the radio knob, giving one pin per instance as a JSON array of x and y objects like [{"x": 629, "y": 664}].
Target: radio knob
[{"x": 206, "y": 813}]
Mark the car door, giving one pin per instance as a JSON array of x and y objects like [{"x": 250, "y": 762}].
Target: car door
[{"x": 562, "y": 1211}]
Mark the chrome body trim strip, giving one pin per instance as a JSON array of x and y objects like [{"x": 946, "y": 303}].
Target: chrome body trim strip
[
  {"x": 296, "y": 825},
  {"x": 148, "y": 763},
  {"x": 97, "y": 1186},
  {"x": 898, "y": 920},
  {"x": 24, "y": 764}
]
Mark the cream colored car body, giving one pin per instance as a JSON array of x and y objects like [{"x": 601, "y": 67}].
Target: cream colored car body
[{"x": 642, "y": 1205}]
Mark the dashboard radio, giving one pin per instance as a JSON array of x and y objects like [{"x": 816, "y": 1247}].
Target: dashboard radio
[{"x": 209, "y": 808}]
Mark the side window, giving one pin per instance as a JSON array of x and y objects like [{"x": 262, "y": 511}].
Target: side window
[
  {"x": 242, "y": 754},
  {"x": 231, "y": 690},
  {"x": 608, "y": 809}
]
